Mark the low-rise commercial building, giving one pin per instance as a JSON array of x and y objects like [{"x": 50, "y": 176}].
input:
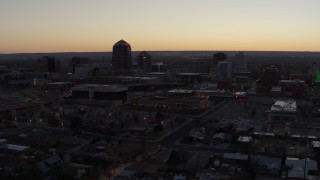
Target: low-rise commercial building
[
  {"x": 240, "y": 95},
  {"x": 284, "y": 110},
  {"x": 100, "y": 92},
  {"x": 175, "y": 104}
]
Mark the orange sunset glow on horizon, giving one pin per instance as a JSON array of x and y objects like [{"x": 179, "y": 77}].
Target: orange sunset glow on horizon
[{"x": 92, "y": 26}]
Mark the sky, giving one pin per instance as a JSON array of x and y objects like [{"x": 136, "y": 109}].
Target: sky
[{"x": 95, "y": 25}]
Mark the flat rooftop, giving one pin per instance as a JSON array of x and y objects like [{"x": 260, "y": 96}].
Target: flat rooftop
[
  {"x": 60, "y": 83},
  {"x": 292, "y": 81},
  {"x": 172, "y": 99},
  {"x": 183, "y": 91},
  {"x": 137, "y": 77},
  {"x": 245, "y": 139},
  {"x": 99, "y": 88},
  {"x": 284, "y": 106},
  {"x": 190, "y": 74},
  {"x": 235, "y": 156},
  {"x": 14, "y": 147},
  {"x": 276, "y": 89},
  {"x": 240, "y": 93}
]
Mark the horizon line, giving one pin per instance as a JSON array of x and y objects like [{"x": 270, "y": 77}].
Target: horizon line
[{"x": 57, "y": 52}]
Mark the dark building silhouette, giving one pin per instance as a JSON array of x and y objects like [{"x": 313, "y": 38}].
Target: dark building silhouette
[
  {"x": 76, "y": 60},
  {"x": 100, "y": 92},
  {"x": 203, "y": 65},
  {"x": 224, "y": 71},
  {"x": 144, "y": 61},
  {"x": 121, "y": 56},
  {"x": 49, "y": 64},
  {"x": 240, "y": 62},
  {"x": 158, "y": 67},
  {"x": 218, "y": 57},
  {"x": 296, "y": 87},
  {"x": 270, "y": 77}
]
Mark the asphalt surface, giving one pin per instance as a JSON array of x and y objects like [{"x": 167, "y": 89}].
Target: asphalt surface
[{"x": 168, "y": 140}]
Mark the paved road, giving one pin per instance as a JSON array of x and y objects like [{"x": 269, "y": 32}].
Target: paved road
[
  {"x": 184, "y": 129},
  {"x": 169, "y": 139}
]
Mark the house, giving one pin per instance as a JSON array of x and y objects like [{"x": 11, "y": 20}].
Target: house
[
  {"x": 179, "y": 177},
  {"x": 161, "y": 157},
  {"x": 142, "y": 168},
  {"x": 10, "y": 164},
  {"x": 300, "y": 168},
  {"x": 126, "y": 174},
  {"x": 266, "y": 165},
  {"x": 197, "y": 162},
  {"x": 50, "y": 163},
  {"x": 235, "y": 158},
  {"x": 14, "y": 149},
  {"x": 245, "y": 139},
  {"x": 77, "y": 171},
  {"x": 222, "y": 138},
  {"x": 211, "y": 175}
]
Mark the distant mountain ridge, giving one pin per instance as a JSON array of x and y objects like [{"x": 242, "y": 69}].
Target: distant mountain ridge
[{"x": 108, "y": 55}]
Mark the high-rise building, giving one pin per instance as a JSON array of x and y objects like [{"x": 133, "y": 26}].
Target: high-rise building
[
  {"x": 203, "y": 65},
  {"x": 224, "y": 71},
  {"x": 76, "y": 60},
  {"x": 121, "y": 56},
  {"x": 49, "y": 64},
  {"x": 218, "y": 57},
  {"x": 314, "y": 69},
  {"x": 240, "y": 62},
  {"x": 270, "y": 77},
  {"x": 158, "y": 67},
  {"x": 144, "y": 61}
]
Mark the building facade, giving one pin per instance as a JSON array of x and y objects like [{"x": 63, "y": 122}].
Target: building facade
[
  {"x": 49, "y": 64},
  {"x": 76, "y": 60},
  {"x": 284, "y": 110},
  {"x": 100, "y": 92},
  {"x": 171, "y": 103},
  {"x": 121, "y": 56},
  {"x": 144, "y": 61},
  {"x": 240, "y": 62},
  {"x": 270, "y": 77},
  {"x": 224, "y": 71}
]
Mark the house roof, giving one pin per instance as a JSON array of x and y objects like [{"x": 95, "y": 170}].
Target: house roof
[
  {"x": 245, "y": 139},
  {"x": 269, "y": 162},
  {"x": 49, "y": 163},
  {"x": 17, "y": 148},
  {"x": 235, "y": 156},
  {"x": 298, "y": 165}
]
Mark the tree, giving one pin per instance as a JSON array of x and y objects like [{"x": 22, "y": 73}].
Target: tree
[
  {"x": 251, "y": 130},
  {"x": 158, "y": 116},
  {"x": 120, "y": 142},
  {"x": 112, "y": 124},
  {"x": 76, "y": 124},
  {"x": 30, "y": 111},
  {"x": 108, "y": 140},
  {"x": 158, "y": 128},
  {"x": 219, "y": 56},
  {"x": 7, "y": 119},
  {"x": 9, "y": 116},
  {"x": 135, "y": 117},
  {"x": 305, "y": 109},
  {"x": 253, "y": 112},
  {"x": 53, "y": 120},
  {"x": 231, "y": 127},
  {"x": 174, "y": 158}
]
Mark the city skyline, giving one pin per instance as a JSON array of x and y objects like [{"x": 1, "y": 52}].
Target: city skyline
[{"x": 83, "y": 26}]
